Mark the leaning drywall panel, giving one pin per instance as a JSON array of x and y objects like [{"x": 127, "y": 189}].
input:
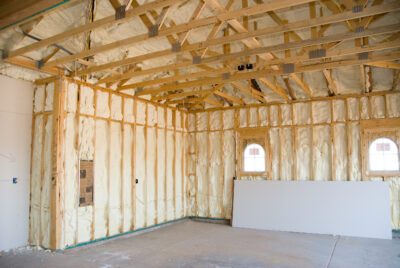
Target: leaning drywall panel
[
  {"x": 362, "y": 209},
  {"x": 15, "y": 160}
]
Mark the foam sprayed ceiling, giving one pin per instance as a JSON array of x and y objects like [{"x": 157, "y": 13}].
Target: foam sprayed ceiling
[{"x": 348, "y": 79}]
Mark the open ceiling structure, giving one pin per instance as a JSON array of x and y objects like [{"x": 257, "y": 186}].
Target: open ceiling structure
[{"x": 196, "y": 54}]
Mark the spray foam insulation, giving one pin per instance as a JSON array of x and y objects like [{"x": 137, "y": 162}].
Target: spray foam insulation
[{"x": 182, "y": 174}]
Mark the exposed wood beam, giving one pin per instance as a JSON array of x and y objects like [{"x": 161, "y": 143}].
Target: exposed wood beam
[
  {"x": 272, "y": 5},
  {"x": 396, "y": 77},
  {"x": 229, "y": 97},
  {"x": 262, "y": 73},
  {"x": 91, "y": 26},
  {"x": 115, "y": 3},
  {"x": 182, "y": 94},
  {"x": 302, "y": 84},
  {"x": 385, "y": 64},
  {"x": 13, "y": 13},
  {"x": 331, "y": 82},
  {"x": 248, "y": 91},
  {"x": 31, "y": 65},
  {"x": 231, "y": 38},
  {"x": 213, "y": 102},
  {"x": 281, "y": 47},
  {"x": 276, "y": 88}
]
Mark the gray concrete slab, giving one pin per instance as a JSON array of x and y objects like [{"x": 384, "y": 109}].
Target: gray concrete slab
[{"x": 198, "y": 244}]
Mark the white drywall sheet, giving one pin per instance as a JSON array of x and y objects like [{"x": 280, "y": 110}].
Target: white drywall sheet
[
  {"x": 360, "y": 209},
  {"x": 15, "y": 147}
]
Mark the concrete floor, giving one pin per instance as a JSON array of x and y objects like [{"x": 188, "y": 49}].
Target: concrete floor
[{"x": 197, "y": 244}]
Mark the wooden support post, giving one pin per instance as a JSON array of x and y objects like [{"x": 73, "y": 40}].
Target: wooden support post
[
  {"x": 156, "y": 172},
  {"x": 348, "y": 141},
  {"x": 93, "y": 233},
  {"x": 183, "y": 165},
  {"x": 165, "y": 165},
  {"x": 196, "y": 163},
  {"x": 109, "y": 166},
  {"x": 294, "y": 129},
  {"x": 312, "y": 145},
  {"x": 78, "y": 148},
  {"x": 208, "y": 165},
  {"x": 145, "y": 166},
  {"x": 222, "y": 164},
  {"x": 133, "y": 178},
  {"x": 333, "y": 162},
  {"x": 121, "y": 228},
  {"x": 56, "y": 196},
  {"x": 174, "y": 162},
  {"x": 44, "y": 123}
]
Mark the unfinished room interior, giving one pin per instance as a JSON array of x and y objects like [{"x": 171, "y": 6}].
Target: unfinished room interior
[{"x": 200, "y": 133}]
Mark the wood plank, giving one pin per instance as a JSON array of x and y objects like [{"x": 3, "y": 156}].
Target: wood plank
[
  {"x": 261, "y": 8},
  {"x": 262, "y": 73},
  {"x": 210, "y": 42},
  {"x": 385, "y": 64},
  {"x": 13, "y": 12},
  {"x": 91, "y": 26},
  {"x": 280, "y": 47}
]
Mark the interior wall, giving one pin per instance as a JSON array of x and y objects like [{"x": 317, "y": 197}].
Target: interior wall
[
  {"x": 15, "y": 149},
  {"x": 318, "y": 140},
  {"x": 127, "y": 139}
]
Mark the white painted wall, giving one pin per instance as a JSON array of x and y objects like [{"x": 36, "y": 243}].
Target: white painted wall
[
  {"x": 349, "y": 208},
  {"x": 15, "y": 146}
]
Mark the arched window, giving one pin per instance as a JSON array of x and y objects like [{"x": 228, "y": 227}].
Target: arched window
[
  {"x": 254, "y": 158},
  {"x": 383, "y": 155}
]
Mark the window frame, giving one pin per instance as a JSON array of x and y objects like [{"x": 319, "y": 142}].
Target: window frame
[
  {"x": 248, "y": 136},
  {"x": 375, "y": 129}
]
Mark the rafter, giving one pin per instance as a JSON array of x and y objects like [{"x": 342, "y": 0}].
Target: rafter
[
  {"x": 276, "y": 88},
  {"x": 331, "y": 82},
  {"x": 228, "y": 97},
  {"x": 262, "y": 73},
  {"x": 91, "y": 26},
  {"x": 308, "y": 42},
  {"x": 211, "y": 42},
  {"x": 385, "y": 64}
]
